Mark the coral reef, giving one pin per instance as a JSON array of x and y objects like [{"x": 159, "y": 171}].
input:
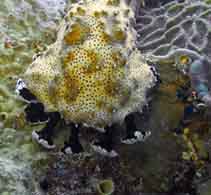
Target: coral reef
[
  {"x": 25, "y": 28},
  {"x": 82, "y": 176},
  {"x": 23, "y": 24},
  {"x": 199, "y": 72},
  {"x": 14, "y": 176},
  {"x": 178, "y": 33},
  {"x": 179, "y": 29},
  {"x": 175, "y": 25}
]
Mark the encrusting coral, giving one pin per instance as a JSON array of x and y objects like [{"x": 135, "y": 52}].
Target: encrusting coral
[{"x": 26, "y": 27}]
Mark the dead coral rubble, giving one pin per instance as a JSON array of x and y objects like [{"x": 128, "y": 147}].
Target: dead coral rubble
[{"x": 68, "y": 176}]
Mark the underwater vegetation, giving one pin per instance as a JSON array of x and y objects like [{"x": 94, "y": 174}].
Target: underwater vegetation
[{"x": 173, "y": 36}]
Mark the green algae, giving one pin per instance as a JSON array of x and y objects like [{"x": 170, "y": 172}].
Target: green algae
[{"x": 208, "y": 1}]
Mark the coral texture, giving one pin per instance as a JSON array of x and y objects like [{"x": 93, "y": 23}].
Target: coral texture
[
  {"x": 93, "y": 73},
  {"x": 175, "y": 25},
  {"x": 175, "y": 31},
  {"x": 26, "y": 27}
]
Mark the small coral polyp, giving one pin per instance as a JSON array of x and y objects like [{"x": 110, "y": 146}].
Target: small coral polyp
[{"x": 93, "y": 73}]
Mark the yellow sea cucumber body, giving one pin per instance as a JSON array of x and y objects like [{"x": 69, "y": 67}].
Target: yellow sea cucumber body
[{"x": 93, "y": 74}]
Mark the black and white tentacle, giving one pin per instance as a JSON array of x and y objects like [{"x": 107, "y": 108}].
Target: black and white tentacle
[{"x": 23, "y": 92}]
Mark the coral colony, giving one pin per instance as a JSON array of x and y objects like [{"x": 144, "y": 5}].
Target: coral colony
[{"x": 179, "y": 32}]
